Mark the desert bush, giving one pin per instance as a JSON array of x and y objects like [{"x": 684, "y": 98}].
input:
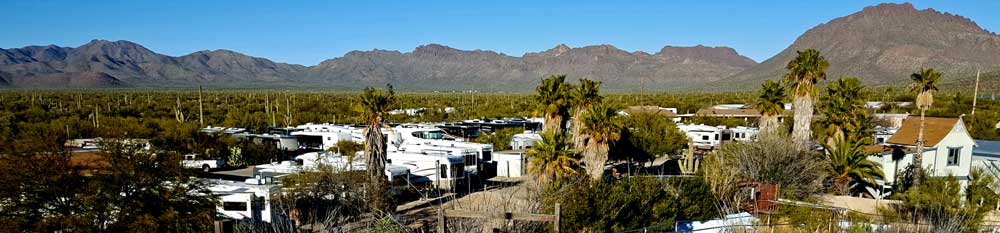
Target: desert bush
[
  {"x": 770, "y": 160},
  {"x": 591, "y": 206}
]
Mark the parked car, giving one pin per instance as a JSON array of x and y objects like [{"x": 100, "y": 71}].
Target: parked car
[{"x": 206, "y": 165}]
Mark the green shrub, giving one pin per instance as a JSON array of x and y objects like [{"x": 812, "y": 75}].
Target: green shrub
[{"x": 589, "y": 206}]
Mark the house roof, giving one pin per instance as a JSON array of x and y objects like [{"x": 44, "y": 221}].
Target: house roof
[
  {"x": 882, "y": 149},
  {"x": 935, "y": 129},
  {"x": 987, "y": 148},
  {"x": 88, "y": 160},
  {"x": 749, "y": 112},
  {"x": 649, "y": 109}
]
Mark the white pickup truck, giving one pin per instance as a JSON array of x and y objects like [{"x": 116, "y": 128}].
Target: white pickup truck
[{"x": 192, "y": 161}]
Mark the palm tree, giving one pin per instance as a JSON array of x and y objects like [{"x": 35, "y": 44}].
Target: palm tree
[
  {"x": 925, "y": 84},
  {"x": 771, "y": 104},
  {"x": 582, "y": 97},
  {"x": 551, "y": 158},
  {"x": 847, "y": 162},
  {"x": 804, "y": 72},
  {"x": 553, "y": 101},
  {"x": 373, "y": 105},
  {"x": 601, "y": 125},
  {"x": 844, "y": 108}
]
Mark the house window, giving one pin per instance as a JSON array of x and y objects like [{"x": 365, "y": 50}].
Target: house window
[
  {"x": 953, "y": 153},
  {"x": 234, "y": 206}
]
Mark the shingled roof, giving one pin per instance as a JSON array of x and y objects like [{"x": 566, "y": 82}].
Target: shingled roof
[
  {"x": 646, "y": 109},
  {"x": 742, "y": 112},
  {"x": 935, "y": 129}
]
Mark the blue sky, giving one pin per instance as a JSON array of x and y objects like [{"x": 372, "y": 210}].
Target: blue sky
[{"x": 307, "y": 32}]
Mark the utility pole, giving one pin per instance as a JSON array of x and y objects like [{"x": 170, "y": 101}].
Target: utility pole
[{"x": 975, "y": 94}]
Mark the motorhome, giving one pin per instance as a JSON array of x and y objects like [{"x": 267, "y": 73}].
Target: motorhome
[{"x": 483, "y": 158}]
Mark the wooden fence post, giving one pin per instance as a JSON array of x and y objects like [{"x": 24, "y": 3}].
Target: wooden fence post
[
  {"x": 441, "y": 220},
  {"x": 556, "y": 223}
]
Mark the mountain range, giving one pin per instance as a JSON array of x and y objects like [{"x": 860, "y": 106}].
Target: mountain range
[{"x": 880, "y": 45}]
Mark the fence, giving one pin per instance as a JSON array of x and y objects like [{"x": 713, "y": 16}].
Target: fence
[
  {"x": 837, "y": 221},
  {"x": 443, "y": 214}
]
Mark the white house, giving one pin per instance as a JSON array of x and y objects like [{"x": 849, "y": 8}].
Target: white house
[{"x": 947, "y": 148}]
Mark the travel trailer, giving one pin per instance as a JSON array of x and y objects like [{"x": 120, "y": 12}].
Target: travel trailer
[
  {"x": 429, "y": 165},
  {"x": 470, "y": 157},
  {"x": 524, "y": 140},
  {"x": 326, "y": 136},
  {"x": 249, "y": 200},
  {"x": 397, "y": 174},
  {"x": 484, "y": 152},
  {"x": 706, "y": 137}
]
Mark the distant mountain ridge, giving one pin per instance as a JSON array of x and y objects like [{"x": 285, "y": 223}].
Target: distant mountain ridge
[
  {"x": 883, "y": 44},
  {"x": 438, "y": 67},
  {"x": 103, "y": 63}
]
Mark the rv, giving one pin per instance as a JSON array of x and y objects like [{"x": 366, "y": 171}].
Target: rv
[
  {"x": 706, "y": 137},
  {"x": 326, "y": 136},
  {"x": 429, "y": 165},
  {"x": 249, "y": 200},
  {"x": 396, "y": 174},
  {"x": 469, "y": 156}
]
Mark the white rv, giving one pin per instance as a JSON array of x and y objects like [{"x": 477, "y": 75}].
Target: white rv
[
  {"x": 429, "y": 165},
  {"x": 313, "y": 160},
  {"x": 326, "y": 136},
  {"x": 470, "y": 157},
  {"x": 743, "y": 133},
  {"x": 704, "y": 136},
  {"x": 250, "y": 200}
]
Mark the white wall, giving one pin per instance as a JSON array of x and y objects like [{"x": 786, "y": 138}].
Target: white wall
[
  {"x": 935, "y": 159},
  {"x": 509, "y": 164}
]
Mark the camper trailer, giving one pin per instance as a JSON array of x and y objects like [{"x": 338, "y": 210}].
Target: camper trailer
[
  {"x": 326, "y": 136},
  {"x": 706, "y": 137},
  {"x": 429, "y": 165}
]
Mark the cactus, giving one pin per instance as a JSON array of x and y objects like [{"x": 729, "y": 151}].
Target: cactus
[
  {"x": 235, "y": 157},
  {"x": 689, "y": 165},
  {"x": 178, "y": 114},
  {"x": 201, "y": 111}
]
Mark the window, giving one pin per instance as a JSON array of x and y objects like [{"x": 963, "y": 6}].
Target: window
[
  {"x": 234, "y": 206},
  {"x": 716, "y": 137},
  {"x": 704, "y": 137},
  {"x": 953, "y": 153},
  {"x": 487, "y": 155},
  {"x": 444, "y": 171}
]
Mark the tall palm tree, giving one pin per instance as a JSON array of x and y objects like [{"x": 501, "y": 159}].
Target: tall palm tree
[
  {"x": 601, "y": 125},
  {"x": 844, "y": 108},
  {"x": 374, "y": 105},
  {"x": 808, "y": 68},
  {"x": 582, "y": 97},
  {"x": 553, "y": 101},
  {"x": 847, "y": 162},
  {"x": 771, "y": 104},
  {"x": 925, "y": 84},
  {"x": 551, "y": 158}
]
